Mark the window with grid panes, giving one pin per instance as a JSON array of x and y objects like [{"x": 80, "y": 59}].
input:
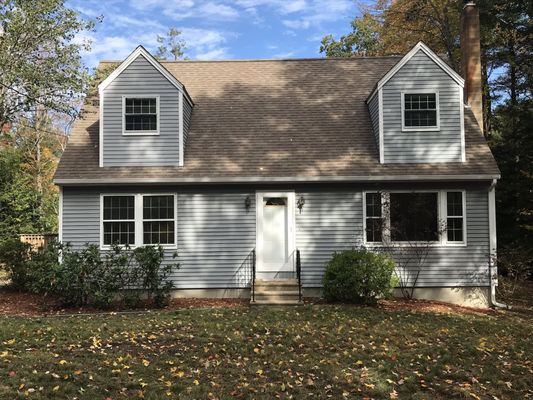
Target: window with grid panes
[
  {"x": 420, "y": 110},
  {"x": 140, "y": 114},
  {"x": 454, "y": 217},
  {"x": 373, "y": 222},
  {"x": 158, "y": 219},
  {"x": 119, "y": 220}
]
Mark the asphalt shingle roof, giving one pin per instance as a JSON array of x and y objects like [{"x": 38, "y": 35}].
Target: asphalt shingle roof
[{"x": 305, "y": 119}]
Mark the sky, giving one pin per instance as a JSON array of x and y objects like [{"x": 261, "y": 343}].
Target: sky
[{"x": 215, "y": 29}]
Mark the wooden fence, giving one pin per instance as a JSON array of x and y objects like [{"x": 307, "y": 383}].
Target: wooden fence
[{"x": 38, "y": 241}]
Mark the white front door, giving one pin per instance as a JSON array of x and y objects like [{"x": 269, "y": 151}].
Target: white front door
[{"x": 275, "y": 234}]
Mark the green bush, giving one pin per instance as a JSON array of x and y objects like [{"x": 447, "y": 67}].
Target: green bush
[
  {"x": 14, "y": 258},
  {"x": 90, "y": 276},
  {"x": 358, "y": 276}
]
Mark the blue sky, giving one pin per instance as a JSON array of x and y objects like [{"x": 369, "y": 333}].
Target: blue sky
[{"x": 216, "y": 29}]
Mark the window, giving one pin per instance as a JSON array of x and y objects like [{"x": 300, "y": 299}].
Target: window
[
  {"x": 403, "y": 217},
  {"x": 455, "y": 217},
  {"x": 373, "y": 221},
  {"x": 414, "y": 217},
  {"x": 140, "y": 115},
  {"x": 158, "y": 220},
  {"x": 420, "y": 111},
  {"x": 138, "y": 219},
  {"x": 119, "y": 220}
]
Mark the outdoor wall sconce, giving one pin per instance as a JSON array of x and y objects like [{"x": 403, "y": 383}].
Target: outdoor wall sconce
[
  {"x": 247, "y": 203},
  {"x": 300, "y": 203}
]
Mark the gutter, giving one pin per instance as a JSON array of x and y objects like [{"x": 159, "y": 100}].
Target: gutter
[{"x": 493, "y": 266}]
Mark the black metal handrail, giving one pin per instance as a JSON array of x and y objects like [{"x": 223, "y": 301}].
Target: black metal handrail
[
  {"x": 299, "y": 274},
  {"x": 253, "y": 275}
]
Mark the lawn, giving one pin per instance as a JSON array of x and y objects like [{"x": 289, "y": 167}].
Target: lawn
[{"x": 318, "y": 351}]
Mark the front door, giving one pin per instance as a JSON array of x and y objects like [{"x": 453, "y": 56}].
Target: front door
[{"x": 275, "y": 234}]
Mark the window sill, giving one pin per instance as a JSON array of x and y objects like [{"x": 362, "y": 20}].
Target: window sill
[
  {"x": 140, "y": 133},
  {"x": 414, "y": 244},
  {"x": 421, "y": 129},
  {"x": 133, "y": 247}
]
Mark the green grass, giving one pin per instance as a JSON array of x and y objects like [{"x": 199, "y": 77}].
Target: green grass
[{"x": 305, "y": 352}]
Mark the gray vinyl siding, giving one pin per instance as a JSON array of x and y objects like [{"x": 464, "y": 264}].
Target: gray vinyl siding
[
  {"x": 421, "y": 73},
  {"x": 187, "y": 117},
  {"x": 373, "y": 108},
  {"x": 216, "y": 234},
  {"x": 141, "y": 78},
  {"x": 81, "y": 216},
  {"x": 329, "y": 222}
]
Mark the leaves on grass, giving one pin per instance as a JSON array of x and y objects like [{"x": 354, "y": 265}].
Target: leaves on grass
[{"x": 327, "y": 351}]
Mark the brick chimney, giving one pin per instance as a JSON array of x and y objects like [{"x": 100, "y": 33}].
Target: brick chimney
[{"x": 471, "y": 59}]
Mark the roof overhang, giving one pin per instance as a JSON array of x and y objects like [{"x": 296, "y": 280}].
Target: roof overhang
[
  {"x": 263, "y": 180},
  {"x": 141, "y": 51},
  {"x": 420, "y": 46}
]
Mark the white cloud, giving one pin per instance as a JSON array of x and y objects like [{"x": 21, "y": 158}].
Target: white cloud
[
  {"x": 288, "y": 54},
  {"x": 220, "y": 10},
  {"x": 293, "y": 6},
  {"x": 296, "y": 23},
  {"x": 215, "y": 54}
]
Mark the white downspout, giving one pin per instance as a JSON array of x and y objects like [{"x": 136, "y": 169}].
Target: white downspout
[{"x": 493, "y": 266}]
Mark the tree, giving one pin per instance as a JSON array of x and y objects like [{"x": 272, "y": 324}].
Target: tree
[
  {"x": 386, "y": 28},
  {"x": 170, "y": 45},
  {"x": 40, "y": 62},
  {"x": 364, "y": 40}
]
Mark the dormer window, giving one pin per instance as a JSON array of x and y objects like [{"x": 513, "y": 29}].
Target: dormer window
[
  {"x": 420, "y": 111},
  {"x": 141, "y": 115}
]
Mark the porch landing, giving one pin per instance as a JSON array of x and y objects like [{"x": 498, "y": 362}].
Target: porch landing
[{"x": 276, "y": 292}]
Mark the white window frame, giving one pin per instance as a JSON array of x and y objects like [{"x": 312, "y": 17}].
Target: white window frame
[
  {"x": 158, "y": 115},
  {"x": 421, "y": 128},
  {"x": 139, "y": 229},
  {"x": 383, "y": 218},
  {"x": 444, "y": 208},
  {"x": 441, "y": 218},
  {"x": 106, "y": 246}
]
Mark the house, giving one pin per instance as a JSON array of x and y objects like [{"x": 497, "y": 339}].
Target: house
[{"x": 273, "y": 163}]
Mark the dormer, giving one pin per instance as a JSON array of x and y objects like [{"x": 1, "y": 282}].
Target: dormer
[
  {"x": 417, "y": 111},
  {"x": 144, "y": 111}
]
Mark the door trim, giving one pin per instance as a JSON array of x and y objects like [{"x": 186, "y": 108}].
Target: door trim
[{"x": 291, "y": 216}]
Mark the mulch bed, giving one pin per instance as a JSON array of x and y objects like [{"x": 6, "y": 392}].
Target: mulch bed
[{"x": 26, "y": 304}]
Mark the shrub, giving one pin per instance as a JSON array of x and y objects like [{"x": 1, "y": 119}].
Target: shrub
[
  {"x": 358, "y": 276},
  {"x": 14, "y": 257},
  {"x": 89, "y": 276}
]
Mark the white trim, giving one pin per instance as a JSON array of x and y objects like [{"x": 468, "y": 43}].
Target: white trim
[
  {"x": 278, "y": 179},
  {"x": 441, "y": 216},
  {"x": 180, "y": 133},
  {"x": 493, "y": 266},
  {"x": 101, "y": 130},
  {"x": 444, "y": 208},
  {"x": 421, "y": 128},
  {"x": 436, "y": 59},
  {"x": 291, "y": 222},
  {"x": 141, "y": 51},
  {"x": 158, "y": 115},
  {"x": 138, "y": 219},
  {"x": 462, "y": 117},
  {"x": 381, "y": 128},
  {"x": 60, "y": 216}
]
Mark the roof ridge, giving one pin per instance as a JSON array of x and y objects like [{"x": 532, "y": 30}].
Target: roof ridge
[{"x": 268, "y": 59}]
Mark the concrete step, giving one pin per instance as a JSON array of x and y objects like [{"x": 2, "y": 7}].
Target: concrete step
[
  {"x": 276, "y": 297},
  {"x": 276, "y": 282},
  {"x": 271, "y": 292}
]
